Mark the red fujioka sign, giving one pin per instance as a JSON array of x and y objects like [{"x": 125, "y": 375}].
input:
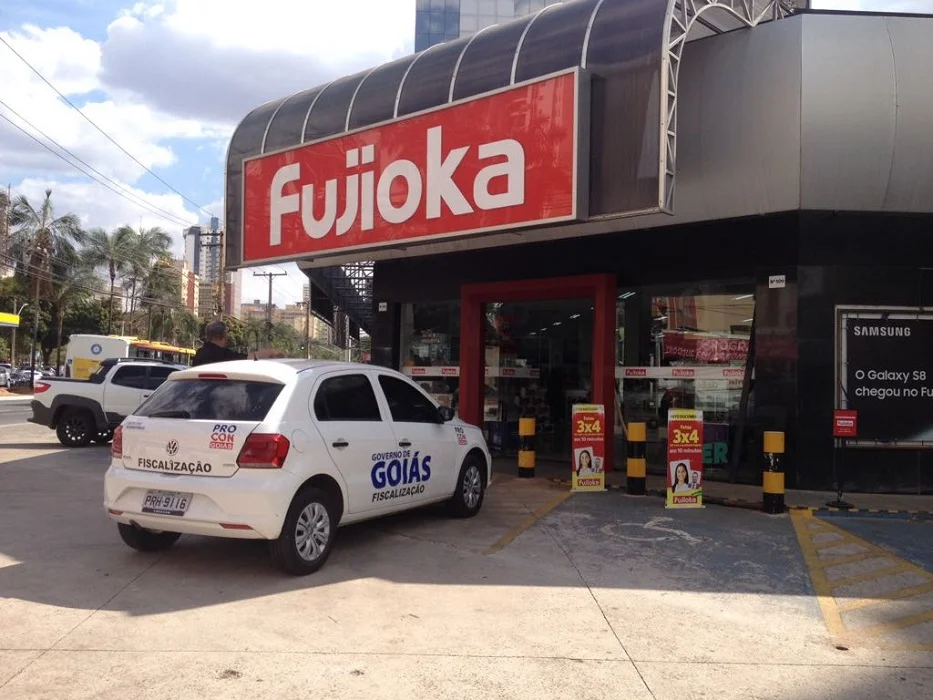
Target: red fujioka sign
[{"x": 498, "y": 161}]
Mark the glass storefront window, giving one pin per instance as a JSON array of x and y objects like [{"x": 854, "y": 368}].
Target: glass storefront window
[
  {"x": 430, "y": 347},
  {"x": 685, "y": 348}
]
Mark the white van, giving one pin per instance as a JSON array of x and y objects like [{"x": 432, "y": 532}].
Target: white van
[{"x": 86, "y": 351}]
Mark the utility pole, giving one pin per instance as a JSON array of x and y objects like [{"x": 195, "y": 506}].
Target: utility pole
[
  {"x": 270, "y": 275},
  {"x": 216, "y": 241}
]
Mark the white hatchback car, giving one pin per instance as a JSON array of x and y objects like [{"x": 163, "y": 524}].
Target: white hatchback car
[{"x": 287, "y": 451}]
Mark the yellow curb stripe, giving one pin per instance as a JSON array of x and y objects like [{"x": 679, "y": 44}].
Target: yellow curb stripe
[
  {"x": 510, "y": 536},
  {"x": 899, "y": 624},
  {"x": 900, "y": 594},
  {"x": 830, "y": 611}
]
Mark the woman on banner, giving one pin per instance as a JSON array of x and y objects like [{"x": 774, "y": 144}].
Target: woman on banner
[{"x": 681, "y": 478}]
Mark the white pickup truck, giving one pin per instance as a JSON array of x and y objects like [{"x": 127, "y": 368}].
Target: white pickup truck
[{"x": 86, "y": 410}]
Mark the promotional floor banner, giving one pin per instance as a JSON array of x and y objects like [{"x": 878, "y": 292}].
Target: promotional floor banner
[
  {"x": 589, "y": 447},
  {"x": 684, "y": 458}
]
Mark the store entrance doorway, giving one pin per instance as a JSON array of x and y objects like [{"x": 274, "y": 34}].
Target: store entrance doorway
[{"x": 535, "y": 347}]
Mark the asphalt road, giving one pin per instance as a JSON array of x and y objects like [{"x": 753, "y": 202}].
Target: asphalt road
[{"x": 14, "y": 411}]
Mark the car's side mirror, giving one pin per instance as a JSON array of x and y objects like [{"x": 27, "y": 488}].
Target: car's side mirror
[{"x": 445, "y": 414}]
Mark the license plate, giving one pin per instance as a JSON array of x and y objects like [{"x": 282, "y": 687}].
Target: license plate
[{"x": 166, "y": 502}]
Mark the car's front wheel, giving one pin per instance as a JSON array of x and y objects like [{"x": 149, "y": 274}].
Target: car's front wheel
[
  {"x": 307, "y": 534},
  {"x": 471, "y": 488},
  {"x": 76, "y": 428},
  {"x": 146, "y": 540}
]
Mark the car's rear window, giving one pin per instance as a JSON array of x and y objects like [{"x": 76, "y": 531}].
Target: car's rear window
[{"x": 211, "y": 399}]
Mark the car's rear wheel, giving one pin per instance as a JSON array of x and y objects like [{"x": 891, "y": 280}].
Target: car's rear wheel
[
  {"x": 104, "y": 436},
  {"x": 147, "y": 540},
  {"x": 76, "y": 427},
  {"x": 471, "y": 488},
  {"x": 307, "y": 534}
]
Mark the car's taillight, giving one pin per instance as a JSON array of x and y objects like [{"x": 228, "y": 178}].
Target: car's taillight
[
  {"x": 41, "y": 387},
  {"x": 116, "y": 447},
  {"x": 264, "y": 451}
]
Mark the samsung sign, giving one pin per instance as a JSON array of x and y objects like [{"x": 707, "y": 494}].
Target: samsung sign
[{"x": 888, "y": 365}]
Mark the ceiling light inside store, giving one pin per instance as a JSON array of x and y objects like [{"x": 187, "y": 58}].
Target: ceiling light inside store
[
  {"x": 748, "y": 320},
  {"x": 556, "y": 323},
  {"x": 744, "y": 296},
  {"x": 575, "y": 316},
  {"x": 626, "y": 295}
]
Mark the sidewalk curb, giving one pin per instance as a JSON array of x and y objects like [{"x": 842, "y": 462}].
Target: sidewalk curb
[{"x": 756, "y": 505}]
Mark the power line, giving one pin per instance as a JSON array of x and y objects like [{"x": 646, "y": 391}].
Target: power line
[
  {"x": 151, "y": 208},
  {"x": 105, "y": 134},
  {"x": 16, "y": 126}
]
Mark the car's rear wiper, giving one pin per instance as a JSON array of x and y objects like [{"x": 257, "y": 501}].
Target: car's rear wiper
[{"x": 170, "y": 414}]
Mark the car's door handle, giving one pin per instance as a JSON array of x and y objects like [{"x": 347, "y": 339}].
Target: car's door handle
[
  {"x": 341, "y": 443},
  {"x": 404, "y": 443}
]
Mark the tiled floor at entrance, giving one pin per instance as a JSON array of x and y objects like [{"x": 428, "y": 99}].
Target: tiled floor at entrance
[
  {"x": 512, "y": 506},
  {"x": 869, "y": 595}
]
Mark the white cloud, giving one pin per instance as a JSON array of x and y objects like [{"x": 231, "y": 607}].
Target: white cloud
[{"x": 218, "y": 60}]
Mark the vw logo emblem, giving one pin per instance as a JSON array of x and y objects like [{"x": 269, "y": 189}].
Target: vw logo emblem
[
  {"x": 172, "y": 447},
  {"x": 96, "y": 349}
]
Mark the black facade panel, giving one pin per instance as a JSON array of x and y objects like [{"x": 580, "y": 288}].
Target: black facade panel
[
  {"x": 287, "y": 126},
  {"x": 624, "y": 51},
  {"x": 428, "y": 81},
  {"x": 487, "y": 62},
  {"x": 554, "y": 40},
  {"x": 375, "y": 100},
  {"x": 329, "y": 115}
]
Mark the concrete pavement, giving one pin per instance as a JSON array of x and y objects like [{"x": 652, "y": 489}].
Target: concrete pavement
[{"x": 544, "y": 595}]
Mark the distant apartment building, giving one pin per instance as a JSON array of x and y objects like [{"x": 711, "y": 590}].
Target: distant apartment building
[
  {"x": 203, "y": 256},
  {"x": 294, "y": 315},
  {"x": 437, "y": 21},
  {"x": 190, "y": 286}
]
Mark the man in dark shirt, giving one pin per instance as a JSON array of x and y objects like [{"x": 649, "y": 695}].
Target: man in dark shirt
[{"x": 215, "y": 347}]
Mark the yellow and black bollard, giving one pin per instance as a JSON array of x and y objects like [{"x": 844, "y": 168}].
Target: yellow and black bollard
[
  {"x": 772, "y": 478},
  {"x": 526, "y": 450},
  {"x": 636, "y": 463}
]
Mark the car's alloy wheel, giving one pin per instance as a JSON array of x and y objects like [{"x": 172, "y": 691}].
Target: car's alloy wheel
[
  {"x": 312, "y": 532},
  {"x": 308, "y": 533},
  {"x": 471, "y": 488}
]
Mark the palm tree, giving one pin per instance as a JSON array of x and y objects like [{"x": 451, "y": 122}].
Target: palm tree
[
  {"x": 73, "y": 277},
  {"x": 111, "y": 251},
  {"x": 150, "y": 243},
  {"x": 161, "y": 288},
  {"x": 39, "y": 237}
]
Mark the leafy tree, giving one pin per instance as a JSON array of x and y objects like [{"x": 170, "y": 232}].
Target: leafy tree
[
  {"x": 39, "y": 238},
  {"x": 110, "y": 251},
  {"x": 151, "y": 243},
  {"x": 73, "y": 277}
]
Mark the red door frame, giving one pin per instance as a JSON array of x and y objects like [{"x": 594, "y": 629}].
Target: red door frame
[{"x": 601, "y": 289}]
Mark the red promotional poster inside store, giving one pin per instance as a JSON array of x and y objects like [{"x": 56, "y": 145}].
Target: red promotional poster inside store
[
  {"x": 684, "y": 458},
  {"x": 502, "y": 160},
  {"x": 845, "y": 424}
]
